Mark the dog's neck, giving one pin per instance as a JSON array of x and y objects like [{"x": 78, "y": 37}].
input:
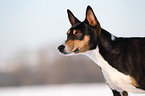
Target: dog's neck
[
  {"x": 95, "y": 56},
  {"x": 104, "y": 46},
  {"x": 105, "y": 40}
]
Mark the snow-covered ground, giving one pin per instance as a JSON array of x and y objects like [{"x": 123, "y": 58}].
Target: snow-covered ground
[{"x": 60, "y": 90}]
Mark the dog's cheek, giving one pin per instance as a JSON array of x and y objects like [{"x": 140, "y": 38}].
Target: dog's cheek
[
  {"x": 82, "y": 46},
  {"x": 85, "y": 43},
  {"x": 69, "y": 46},
  {"x": 76, "y": 44}
]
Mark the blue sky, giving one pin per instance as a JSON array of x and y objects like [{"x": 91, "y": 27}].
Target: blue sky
[{"x": 34, "y": 23}]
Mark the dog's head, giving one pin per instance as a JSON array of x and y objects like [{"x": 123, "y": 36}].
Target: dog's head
[{"x": 82, "y": 36}]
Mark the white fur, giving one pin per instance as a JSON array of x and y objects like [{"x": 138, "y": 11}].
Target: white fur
[
  {"x": 114, "y": 78},
  {"x": 113, "y": 37}
]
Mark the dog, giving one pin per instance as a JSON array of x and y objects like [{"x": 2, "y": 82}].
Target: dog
[{"x": 122, "y": 60}]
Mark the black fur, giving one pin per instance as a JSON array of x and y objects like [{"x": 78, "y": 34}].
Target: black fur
[
  {"x": 116, "y": 93},
  {"x": 127, "y": 55}
]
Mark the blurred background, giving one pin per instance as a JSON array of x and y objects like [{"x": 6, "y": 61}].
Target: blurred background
[{"x": 31, "y": 31}]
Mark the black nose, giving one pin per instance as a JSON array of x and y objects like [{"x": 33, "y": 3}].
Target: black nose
[{"x": 61, "y": 48}]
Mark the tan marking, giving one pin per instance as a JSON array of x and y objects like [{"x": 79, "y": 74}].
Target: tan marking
[
  {"x": 133, "y": 82},
  {"x": 82, "y": 45},
  {"x": 70, "y": 45},
  {"x": 68, "y": 32},
  {"x": 74, "y": 31}
]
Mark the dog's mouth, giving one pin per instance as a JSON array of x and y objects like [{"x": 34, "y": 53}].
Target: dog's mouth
[{"x": 75, "y": 51}]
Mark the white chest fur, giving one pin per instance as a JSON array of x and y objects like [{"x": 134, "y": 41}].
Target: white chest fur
[{"x": 114, "y": 78}]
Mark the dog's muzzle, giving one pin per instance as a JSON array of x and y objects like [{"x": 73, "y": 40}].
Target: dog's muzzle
[{"x": 63, "y": 49}]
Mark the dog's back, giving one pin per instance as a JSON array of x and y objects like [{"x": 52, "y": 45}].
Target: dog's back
[{"x": 127, "y": 55}]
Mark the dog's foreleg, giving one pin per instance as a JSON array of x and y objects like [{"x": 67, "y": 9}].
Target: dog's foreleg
[{"x": 116, "y": 93}]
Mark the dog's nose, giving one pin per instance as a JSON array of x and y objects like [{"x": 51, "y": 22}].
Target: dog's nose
[{"x": 61, "y": 48}]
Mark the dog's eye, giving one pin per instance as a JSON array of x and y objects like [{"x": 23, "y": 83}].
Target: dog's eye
[{"x": 78, "y": 33}]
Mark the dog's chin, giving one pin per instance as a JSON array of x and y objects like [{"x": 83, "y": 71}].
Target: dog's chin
[{"x": 71, "y": 53}]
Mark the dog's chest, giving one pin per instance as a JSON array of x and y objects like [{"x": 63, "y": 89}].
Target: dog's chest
[{"x": 115, "y": 79}]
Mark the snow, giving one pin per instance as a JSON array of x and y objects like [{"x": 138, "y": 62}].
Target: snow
[{"x": 60, "y": 90}]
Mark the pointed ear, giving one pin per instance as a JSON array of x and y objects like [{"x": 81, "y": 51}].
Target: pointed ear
[
  {"x": 73, "y": 20},
  {"x": 90, "y": 17},
  {"x": 92, "y": 20}
]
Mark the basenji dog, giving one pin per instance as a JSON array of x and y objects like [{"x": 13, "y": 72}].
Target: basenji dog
[{"x": 122, "y": 60}]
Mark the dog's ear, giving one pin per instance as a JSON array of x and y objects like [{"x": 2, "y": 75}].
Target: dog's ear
[
  {"x": 73, "y": 20},
  {"x": 92, "y": 20},
  {"x": 90, "y": 17}
]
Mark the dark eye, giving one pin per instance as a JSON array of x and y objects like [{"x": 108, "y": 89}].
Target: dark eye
[{"x": 78, "y": 33}]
